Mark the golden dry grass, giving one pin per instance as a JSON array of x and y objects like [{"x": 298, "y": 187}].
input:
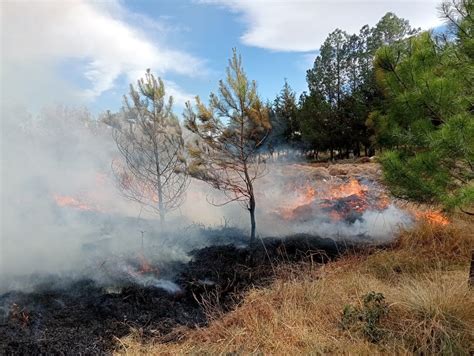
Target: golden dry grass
[{"x": 424, "y": 281}]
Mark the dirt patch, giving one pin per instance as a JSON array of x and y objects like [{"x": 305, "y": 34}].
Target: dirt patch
[{"x": 324, "y": 170}]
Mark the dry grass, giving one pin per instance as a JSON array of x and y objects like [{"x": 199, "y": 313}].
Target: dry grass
[
  {"x": 423, "y": 279},
  {"x": 454, "y": 240}
]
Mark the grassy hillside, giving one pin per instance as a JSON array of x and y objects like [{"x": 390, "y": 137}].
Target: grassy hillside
[{"x": 411, "y": 298}]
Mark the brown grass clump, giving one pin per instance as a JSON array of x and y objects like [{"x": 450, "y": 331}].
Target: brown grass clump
[
  {"x": 425, "y": 247},
  {"x": 452, "y": 241},
  {"x": 435, "y": 314},
  {"x": 423, "y": 279}
]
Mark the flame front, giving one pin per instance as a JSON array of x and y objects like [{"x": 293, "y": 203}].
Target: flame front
[
  {"x": 432, "y": 216},
  {"x": 68, "y": 201},
  {"x": 353, "y": 187},
  {"x": 304, "y": 197},
  {"x": 334, "y": 199}
]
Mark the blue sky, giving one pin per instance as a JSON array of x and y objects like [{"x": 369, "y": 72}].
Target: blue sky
[{"x": 86, "y": 53}]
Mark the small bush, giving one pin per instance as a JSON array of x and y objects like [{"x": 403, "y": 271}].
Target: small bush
[{"x": 366, "y": 318}]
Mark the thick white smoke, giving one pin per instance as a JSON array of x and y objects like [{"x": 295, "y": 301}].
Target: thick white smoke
[
  {"x": 61, "y": 211},
  {"x": 60, "y": 208}
]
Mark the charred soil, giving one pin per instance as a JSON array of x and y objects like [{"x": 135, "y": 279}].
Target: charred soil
[{"x": 84, "y": 317}]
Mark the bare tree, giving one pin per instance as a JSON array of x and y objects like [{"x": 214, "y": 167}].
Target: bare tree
[
  {"x": 228, "y": 134},
  {"x": 148, "y": 135}
]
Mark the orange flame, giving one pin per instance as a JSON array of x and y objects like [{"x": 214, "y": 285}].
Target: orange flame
[
  {"x": 145, "y": 266},
  {"x": 305, "y": 196},
  {"x": 432, "y": 216},
  {"x": 356, "y": 198},
  {"x": 68, "y": 201},
  {"x": 353, "y": 187}
]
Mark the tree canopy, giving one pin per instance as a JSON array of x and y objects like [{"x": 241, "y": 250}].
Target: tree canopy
[
  {"x": 426, "y": 118},
  {"x": 228, "y": 133},
  {"x": 152, "y": 168},
  {"x": 343, "y": 90}
]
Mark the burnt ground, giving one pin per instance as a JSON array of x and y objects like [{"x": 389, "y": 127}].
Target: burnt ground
[{"x": 85, "y": 318}]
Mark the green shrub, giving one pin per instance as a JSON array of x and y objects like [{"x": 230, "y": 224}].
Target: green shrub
[{"x": 366, "y": 319}]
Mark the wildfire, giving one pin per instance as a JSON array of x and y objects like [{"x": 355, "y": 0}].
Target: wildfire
[
  {"x": 304, "y": 197},
  {"x": 145, "y": 266},
  {"x": 337, "y": 200},
  {"x": 432, "y": 216},
  {"x": 307, "y": 196},
  {"x": 20, "y": 314},
  {"x": 353, "y": 187},
  {"x": 68, "y": 201}
]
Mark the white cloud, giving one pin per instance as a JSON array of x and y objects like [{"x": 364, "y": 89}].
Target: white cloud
[
  {"x": 180, "y": 97},
  {"x": 302, "y": 25},
  {"x": 38, "y": 36}
]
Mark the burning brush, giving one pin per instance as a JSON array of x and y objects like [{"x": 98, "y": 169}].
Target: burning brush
[
  {"x": 337, "y": 199},
  {"x": 434, "y": 217}
]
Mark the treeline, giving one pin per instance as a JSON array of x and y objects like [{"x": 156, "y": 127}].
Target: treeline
[
  {"x": 394, "y": 89},
  {"x": 342, "y": 90}
]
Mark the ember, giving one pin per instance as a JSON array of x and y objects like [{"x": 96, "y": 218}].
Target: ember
[{"x": 20, "y": 315}]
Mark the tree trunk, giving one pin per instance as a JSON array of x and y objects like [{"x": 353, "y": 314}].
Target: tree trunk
[
  {"x": 159, "y": 186},
  {"x": 162, "y": 218},
  {"x": 251, "y": 206},
  {"x": 161, "y": 206},
  {"x": 252, "y": 219},
  {"x": 471, "y": 271}
]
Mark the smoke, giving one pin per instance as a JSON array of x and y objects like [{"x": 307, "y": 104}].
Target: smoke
[
  {"x": 282, "y": 191},
  {"x": 62, "y": 214},
  {"x": 53, "y": 155}
]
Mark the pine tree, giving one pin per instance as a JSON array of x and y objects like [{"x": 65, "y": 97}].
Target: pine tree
[
  {"x": 228, "y": 133},
  {"x": 148, "y": 135},
  {"x": 285, "y": 107},
  {"x": 343, "y": 75},
  {"x": 427, "y": 119}
]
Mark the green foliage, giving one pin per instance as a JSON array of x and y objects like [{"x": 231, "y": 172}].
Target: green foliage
[
  {"x": 315, "y": 122},
  {"x": 390, "y": 29},
  {"x": 285, "y": 109},
  {"x": 426, "y": 117},
  {"x": 366, "y": 318},
  {"x": 343, "y": 78}
]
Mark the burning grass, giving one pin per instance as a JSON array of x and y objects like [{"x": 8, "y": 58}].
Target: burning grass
[
  {"x": 68, "y": 201},
  {"x": 340, "y": 199},
  {"x": 423, "y": 278}
]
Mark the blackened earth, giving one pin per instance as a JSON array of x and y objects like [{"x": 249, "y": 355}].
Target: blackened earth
[{"x": 86, "y": 318}]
